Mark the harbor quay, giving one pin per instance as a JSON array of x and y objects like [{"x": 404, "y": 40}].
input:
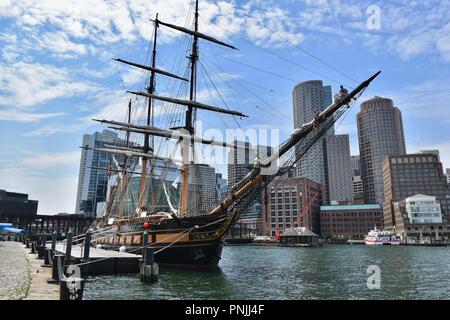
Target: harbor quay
[
  {"x": 116, "y": 274},
  {"x": 21, "y": 275},
  {"x": 39, "y": 270}
]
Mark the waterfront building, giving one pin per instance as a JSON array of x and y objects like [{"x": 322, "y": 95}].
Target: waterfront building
[
  {"x": 299, "y": 236},
  {"x": 357, "y": 184},
  {"x": 252, "y": 218},
  {"x": 221, "y": 186},
  {"x": 380, "y": 134},
  {"x": 419, "y": 218},
  {"x": 350, "y": 221},
  {"x": 432, "y": 151},
  {"x": 423, "y": 209},
  {"x": 17, "y": 203},
  {"x": 202, "y": 183},
  {"x": 358, "y": 191},
  {"x": 291, "y": 203},
  {"x": 410, "y": 175},
  {"x": 93, "y": 175},
  {"x": 340, "y": 185},
  {"x": 290, "y": 172},
  {"x": 240, "y": 162},
  {"x": 310, "y": 97},
  {"x": 356, "y": 165}
]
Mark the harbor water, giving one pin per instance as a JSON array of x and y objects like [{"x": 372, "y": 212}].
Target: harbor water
[{"x": 329, "y": 272}]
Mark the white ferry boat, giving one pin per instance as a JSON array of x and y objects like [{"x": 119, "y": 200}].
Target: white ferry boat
[{"x": 381, "y": 237}]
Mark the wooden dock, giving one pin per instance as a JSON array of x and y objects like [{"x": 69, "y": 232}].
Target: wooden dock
[{"x": 103, "y": 261}]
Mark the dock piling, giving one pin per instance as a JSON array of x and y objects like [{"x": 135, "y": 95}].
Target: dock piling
[
  {"x": 54, "y": 238},
  {"x": 144, "y": 242},
  {"x": 87, "y": 246},
  {"x": 56, "y": 261},
  {"x": 86, "y": 252},
  {"x": 47, "y": 257},
  {"x": 68, "y": 247},
  {"x": 33, "y": 247},
  {"x": 149, "y": 269},
  {"x": 40, "y": 247}
]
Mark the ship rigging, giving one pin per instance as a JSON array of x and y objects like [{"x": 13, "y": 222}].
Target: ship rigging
[{"x": 199, "y": 234}]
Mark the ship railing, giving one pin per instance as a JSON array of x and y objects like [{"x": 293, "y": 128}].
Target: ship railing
[{"x": 79, "y": 239}]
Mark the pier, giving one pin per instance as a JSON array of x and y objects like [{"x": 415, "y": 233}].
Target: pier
[
  {"x": 36, "y": 225},
  {"x": 101, "y": 261},
  {"x": 43, "y": 270},
  {"x": 23, "y": 277}
]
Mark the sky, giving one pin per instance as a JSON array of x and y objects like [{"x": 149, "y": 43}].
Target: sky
[{"x": 57, "y": 72}]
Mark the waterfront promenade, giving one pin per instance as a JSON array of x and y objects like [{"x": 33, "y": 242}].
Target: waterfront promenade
[{"x": 22, "y": 276}]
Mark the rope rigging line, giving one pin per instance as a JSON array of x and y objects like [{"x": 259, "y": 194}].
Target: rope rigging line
[
  {"x": 293, "y": 158},
  {"x": 286, "y": 59},
  {"x": 215, "y": 87},
  {"x": 244, "y": 12},
  {"x": 233, "y": 79}
]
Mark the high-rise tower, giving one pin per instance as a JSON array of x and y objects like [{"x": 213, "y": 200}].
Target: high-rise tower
[
  {"x": 380, "y": 133},
  {"x": 310, "y": 97}
]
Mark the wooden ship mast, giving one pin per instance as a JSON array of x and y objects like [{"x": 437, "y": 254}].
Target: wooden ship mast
[{"x": 187, "y": 133}]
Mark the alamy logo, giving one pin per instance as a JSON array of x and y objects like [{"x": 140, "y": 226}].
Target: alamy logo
[
  {"x": 253, "y": 146},
  {"x": 374, "y": 19},
  {"x": 73, "y": 281},
  {"x": 374, "y": 279}
]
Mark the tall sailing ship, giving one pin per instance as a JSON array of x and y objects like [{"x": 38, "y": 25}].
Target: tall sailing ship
[{"x": 190, "y": 235}]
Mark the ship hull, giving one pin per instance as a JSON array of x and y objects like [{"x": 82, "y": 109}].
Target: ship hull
[
  {"x": 381, "y": 243},
  {"x": 186, "y": 243},
  {"x": 205, "y": 256}
]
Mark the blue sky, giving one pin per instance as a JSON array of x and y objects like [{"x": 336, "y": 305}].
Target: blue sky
[{"x": 56, "y": 71}]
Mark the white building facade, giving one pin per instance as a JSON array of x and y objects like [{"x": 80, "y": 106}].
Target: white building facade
[{"x": 423, "y": 209}]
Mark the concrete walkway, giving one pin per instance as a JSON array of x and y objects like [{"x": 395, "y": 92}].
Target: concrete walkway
[
  {"x": 21, "y": 275},
  {"x": 14, "y": 271}
]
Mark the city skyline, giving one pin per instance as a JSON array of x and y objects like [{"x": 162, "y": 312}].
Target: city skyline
[{"x": 58, "y": 75}]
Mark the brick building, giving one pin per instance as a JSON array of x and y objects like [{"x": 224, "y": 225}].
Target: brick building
[
  {"x": 291, "y": 203},
  {"x": 350, "y": 221},
  {"x": 408, "y": 175}
]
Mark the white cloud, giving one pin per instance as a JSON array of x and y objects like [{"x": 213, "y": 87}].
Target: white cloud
[
  {"x": 51, "y": 129},
  {"x": 27, "y": 85},
  {"x": 105, "y": 22},
  {"x": 13, "y": 115},
  {"x": 47, "y": 160},
  {"x": 428, "y": 99},
  {"x": 60, "y": 44},
  {"x": 408, "y": 29},
  {"x": 132, "y": 76},
  {"x": 412, "y": 29}
]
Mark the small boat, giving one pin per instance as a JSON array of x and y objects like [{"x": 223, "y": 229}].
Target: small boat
[
  {"x": 263, "y": 239},
  {"x": 381, "y": 237}
]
